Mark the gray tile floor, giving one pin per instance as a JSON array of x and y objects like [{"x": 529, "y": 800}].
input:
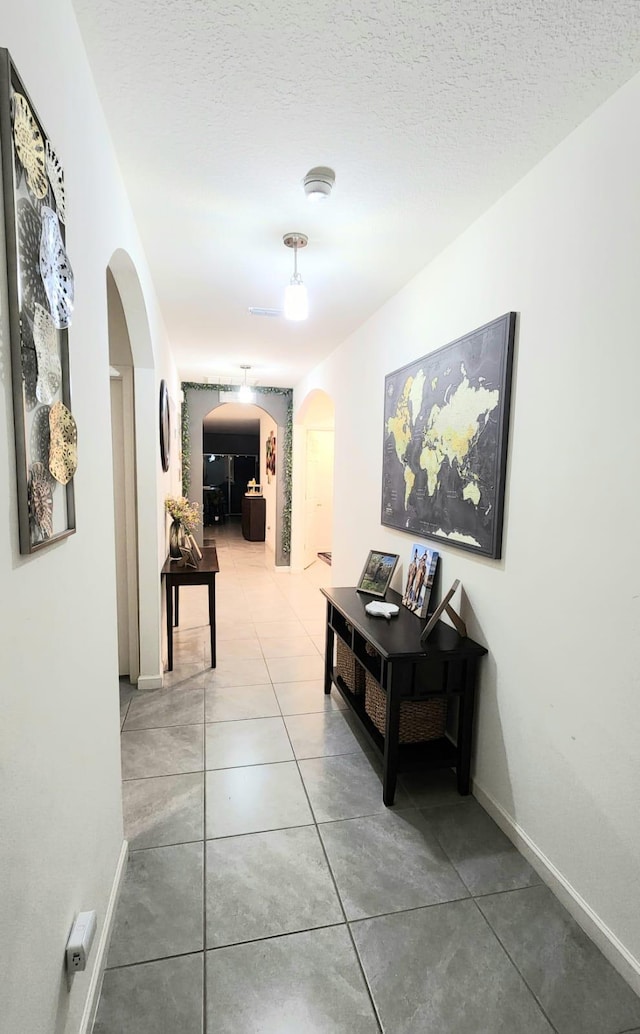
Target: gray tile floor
[{"x": 269, "y": 891}]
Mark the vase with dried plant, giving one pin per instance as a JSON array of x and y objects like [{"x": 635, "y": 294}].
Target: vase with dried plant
[{"x": 185, "y": 518}]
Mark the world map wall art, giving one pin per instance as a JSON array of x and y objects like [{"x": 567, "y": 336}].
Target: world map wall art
[
  {"x": 40, "y": 291},
  {"x": 446, "y": 422}
]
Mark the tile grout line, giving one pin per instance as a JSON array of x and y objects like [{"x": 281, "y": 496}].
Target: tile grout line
[
  {"x": 516, "y": 967},
  {"x": 260, "y": 764},
  {"x": 506, "y": 890},
  {"x": 158, "y": 958},
  {"x": 335, "y": 886},
  {"x": 164, "y": 775},
  {"x": 155, "y": 728},
  {"x": 123, "y": 717},
  {"x": 204, "y": 865},
  {"x": 276, "y": 936},
  {"x": 165, "y": 847},
  {"x": 448, "y": 857},
  {"x": 203, "y": 772}
]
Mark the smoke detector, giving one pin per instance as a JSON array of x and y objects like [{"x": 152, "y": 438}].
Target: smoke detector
[{"x": 318, "y": 183}]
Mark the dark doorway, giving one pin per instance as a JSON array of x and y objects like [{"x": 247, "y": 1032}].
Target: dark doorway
[{"x": 224, "y": 482}]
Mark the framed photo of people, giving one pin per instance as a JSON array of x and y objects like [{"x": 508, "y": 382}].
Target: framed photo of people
[{"x": 420, "y": 577}]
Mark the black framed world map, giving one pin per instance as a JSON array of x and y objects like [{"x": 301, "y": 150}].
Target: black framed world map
[{"x": 446, "y": 422}]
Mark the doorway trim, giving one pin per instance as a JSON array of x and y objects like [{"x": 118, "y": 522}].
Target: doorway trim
[
  {"x": 150, "y": 549},
  {"x": 124, "y": 376}
]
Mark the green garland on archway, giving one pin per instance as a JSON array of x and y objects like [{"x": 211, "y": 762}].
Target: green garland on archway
[{"x": 287, "y": 452}]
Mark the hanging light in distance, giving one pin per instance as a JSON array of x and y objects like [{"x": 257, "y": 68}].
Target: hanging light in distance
[
  {"x": 296, "y": 303},
  {"x": 245, "y": 393}
]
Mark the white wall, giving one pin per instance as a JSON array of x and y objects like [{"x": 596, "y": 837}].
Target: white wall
[
  {"x": 314, "y": 411},
  {"x": 60, "y": 810},
  {"x": 558, "y": 730},
  {"x": 319, "y": 493}
]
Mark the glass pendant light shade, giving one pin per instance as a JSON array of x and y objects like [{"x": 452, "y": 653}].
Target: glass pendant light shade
[
  {"x": 245, "y": 393},
  {"x": 296, "y": 303}
]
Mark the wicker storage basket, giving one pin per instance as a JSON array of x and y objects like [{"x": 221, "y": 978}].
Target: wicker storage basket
[
  {"x": 349, "y": 669},
  {"x": 419, "y": 719}
]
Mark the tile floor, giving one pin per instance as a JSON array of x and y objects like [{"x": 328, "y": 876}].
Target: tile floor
[{"x": 269, "y": 890}]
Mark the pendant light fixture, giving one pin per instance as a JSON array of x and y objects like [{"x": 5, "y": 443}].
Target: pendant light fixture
[
  {"x": 296, "y": 304},
  {"x": 245, "y": 393}
]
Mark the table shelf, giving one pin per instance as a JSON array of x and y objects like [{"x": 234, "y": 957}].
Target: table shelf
[{"x": 439, "y": 753}]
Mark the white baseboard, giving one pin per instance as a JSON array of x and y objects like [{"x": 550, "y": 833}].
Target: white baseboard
[
  {"x": 95, "y": 985},
  {"x": 150, "y": 681},
  {"x": 280, "y": 568},
  {"x": 627, "y": 965}
]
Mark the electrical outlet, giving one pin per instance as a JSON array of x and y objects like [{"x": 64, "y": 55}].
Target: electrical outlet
[{"x": 80, "y": 941}]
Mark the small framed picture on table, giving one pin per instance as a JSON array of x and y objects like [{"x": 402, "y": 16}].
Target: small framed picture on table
[
  {"x": 377, "y": 572},
  {"x": 188, "y": 557},
  {"x": 444, "y": 607},
  {"x": 420, "y": 575},
  {"x": 193, "y": 545}
]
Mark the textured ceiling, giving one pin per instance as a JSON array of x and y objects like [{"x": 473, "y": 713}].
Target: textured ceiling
[{"x": 427, "y": 111}]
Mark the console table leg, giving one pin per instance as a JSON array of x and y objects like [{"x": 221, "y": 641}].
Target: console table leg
[
  {"x": 465, "y": 730},
  {"x": 390, "y": 759},
  {"x": 328, "y": 659},
  {"x": 212, "y": 619},
  {"x": 169, "y": 598}
]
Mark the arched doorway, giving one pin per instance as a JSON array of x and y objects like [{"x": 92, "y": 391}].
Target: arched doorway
[
  {"x": 273, "y": 408},
  {"x": 234, "y": 437},
  {"x": 314, "y": 436},
  {"x": 231, "y": 458},
  {"x": 124, "y": 485},
  {"x": 135, "y": 406}
]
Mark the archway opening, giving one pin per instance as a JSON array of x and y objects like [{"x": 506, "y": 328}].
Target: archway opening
[
  {"x": 130, "y": 346},
  {"x": 239, "y": 460},
  {"x": 273, "y": 409},
  {"x": 122, "y": 392}
]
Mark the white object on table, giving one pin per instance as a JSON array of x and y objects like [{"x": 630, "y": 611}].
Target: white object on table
[{"x": 381, "y": 610}]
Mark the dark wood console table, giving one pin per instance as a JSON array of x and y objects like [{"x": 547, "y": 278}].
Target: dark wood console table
[
  {"x": 254, "y": 509},
  {"x": 176, "y": 574},
  {"x": 405, "y": 670}
]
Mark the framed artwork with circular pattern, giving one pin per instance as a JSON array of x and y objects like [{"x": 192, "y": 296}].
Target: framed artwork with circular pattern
[
  {"x": 165, "y": 426},
  {"x": 40, "y": 293}
]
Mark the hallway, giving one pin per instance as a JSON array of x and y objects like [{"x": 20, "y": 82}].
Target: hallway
[{"x": 269, "y": 890}]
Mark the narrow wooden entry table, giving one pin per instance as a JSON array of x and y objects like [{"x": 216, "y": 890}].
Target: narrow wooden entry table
[
  {"x": 176, "y": 574},
  {"x": 404, "y": 670}
]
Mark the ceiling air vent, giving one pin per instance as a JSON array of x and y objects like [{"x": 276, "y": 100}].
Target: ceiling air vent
[{"x": 256, "y": 310}]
